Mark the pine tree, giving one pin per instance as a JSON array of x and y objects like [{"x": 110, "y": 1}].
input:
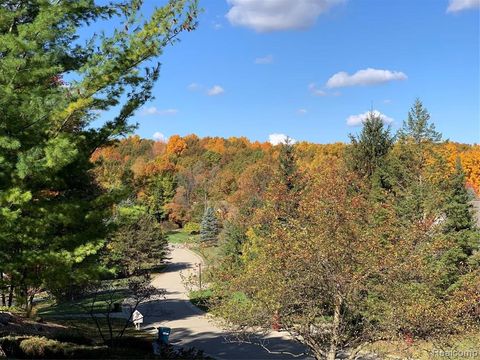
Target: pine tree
[
  {"x": 52, "y": 213},
  {"x": 209, "y": 227}
]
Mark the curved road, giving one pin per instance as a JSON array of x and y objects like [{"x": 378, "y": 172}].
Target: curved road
[{"x": 191, "y": 327}]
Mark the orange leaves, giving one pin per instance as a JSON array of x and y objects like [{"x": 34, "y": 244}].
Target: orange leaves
[
  {"x": 176, "y": 145},
  {"x": 470, "y": 158},
  {"x": 471, "y": 165},
  {"x": 216, "y": 144}
]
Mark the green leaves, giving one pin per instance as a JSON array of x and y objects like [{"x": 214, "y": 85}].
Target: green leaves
[
  {"x": 52, "y": 214},
  {"x": 59, "y": 152}
]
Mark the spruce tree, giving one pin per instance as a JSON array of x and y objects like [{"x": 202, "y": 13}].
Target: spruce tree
[
  {"x": 419, "y": 198},
  {"x": 458, "y": 210},
  {"x": 418, "y": 127},
  {"x": 459, "y": 227},
  {"x": 368, "y": 150},
  {"x": 287, "y": 164},
  {"x": 209, "y": 227}
]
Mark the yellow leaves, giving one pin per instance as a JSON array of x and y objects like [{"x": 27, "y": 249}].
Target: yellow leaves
[
  {"x": 80, "y": 104},
  {"x": 176, "y": 145},
  {"x": 471, "y": 165},
  {"x": 216, "y": 144},
  {"x": 469, "y": 156}
]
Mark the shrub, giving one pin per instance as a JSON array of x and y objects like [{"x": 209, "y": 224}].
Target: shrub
[
  {"x": 201, "y": 298},
  {"x": 12, "y": 309},
  {"x": 22, "y": 347},
  {"x": 10, "y": 345},
  {"x": 37, "y": 347},
  {"x": 192, "y": 228}
]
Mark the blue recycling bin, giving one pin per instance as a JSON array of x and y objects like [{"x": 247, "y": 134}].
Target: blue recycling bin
[{"x": 163, "y": 334}]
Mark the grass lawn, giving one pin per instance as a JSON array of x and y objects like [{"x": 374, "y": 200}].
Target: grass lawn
[
  {"x": 200, "y": 298},
  {"x": 81, "y": 306},
  {"x": 210, "y": 253},
  {"x": 87, "y": 326},
  {"x": 180, "y": 237}
]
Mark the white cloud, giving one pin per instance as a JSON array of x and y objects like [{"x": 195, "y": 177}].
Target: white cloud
[
  {"x": 159, "y": 137},
  {"x": 274, "y": 15},
  {"x": 302, "y": 111},
  {"x": 316, "y": 91},
  {"x": 194, "y": 87},
  {"x": 276, "y": 139},
  {"x": 357, "y": 120},
  {"x": 215, "y": 90},
  {"x": 152, "y": 110},
  {"x": 460, "y": 5},
  {"x": 264, "y": 60},
  {"x": 364, "y": 77},
  {"x": 387, "y": 101},
  {"x": 217, "y": 26}
]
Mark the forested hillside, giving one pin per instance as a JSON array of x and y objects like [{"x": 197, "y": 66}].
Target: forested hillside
[
  {"x": 341, "y": 245},
  {"x": 176, "y": 180},
  {"x": 345, "y": 247}
]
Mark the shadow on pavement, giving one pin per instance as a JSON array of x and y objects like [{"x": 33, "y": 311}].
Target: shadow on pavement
[
  {"x": 176, "y": 267},
  {"x": 218, "y": 345},
  {"x": 221, "y": 347}
]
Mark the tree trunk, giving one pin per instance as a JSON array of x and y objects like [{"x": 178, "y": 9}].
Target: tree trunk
[
  {"x": 332, "y": 352},
  {"x": 29, "y": 304},
  {"x": 10, "y": 295},
  {"x": 4, "y": 299}
]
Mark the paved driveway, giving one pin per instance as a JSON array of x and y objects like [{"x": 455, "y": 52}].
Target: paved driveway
[{"x": 191, "y": 327}]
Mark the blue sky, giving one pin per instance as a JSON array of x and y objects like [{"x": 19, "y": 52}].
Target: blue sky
[{"x": 310, "y": 68}]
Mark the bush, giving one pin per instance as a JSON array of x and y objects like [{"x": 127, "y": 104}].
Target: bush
[
  {"x": 37, "y": 347},
  {"x": 22, "y": 347},
  {"x": 192, "y": 228},
  {"x": 11, "y": 346},
  {"x": 12, "y": 309}
]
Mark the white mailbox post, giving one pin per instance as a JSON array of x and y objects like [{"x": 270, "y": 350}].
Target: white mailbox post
[{"x": 137, "y": 319}]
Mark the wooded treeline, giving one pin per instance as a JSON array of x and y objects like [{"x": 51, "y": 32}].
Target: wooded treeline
[
  {"x": 342, "y": 245},
  {"x": 178, "y": 179}
]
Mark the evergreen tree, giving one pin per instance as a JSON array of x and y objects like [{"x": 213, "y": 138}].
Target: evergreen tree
[
  {"x": 138, "y": 242},
  {"x": 52, "y": 214},
  {"x": 159, "y": 192},
  {"x": 283, "y": 193},
  {"x": 458, "y": 210},
  {"x": 233, "y": 237},
  {"x": 287, "y": 164},
  {"x": 209, "y": 227},
  {"x": 418, "y": 195},
  {"x": 460, "y": 230},
  {"x": 417, "y": 127},
  {"x": 369, "y": 148}
]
